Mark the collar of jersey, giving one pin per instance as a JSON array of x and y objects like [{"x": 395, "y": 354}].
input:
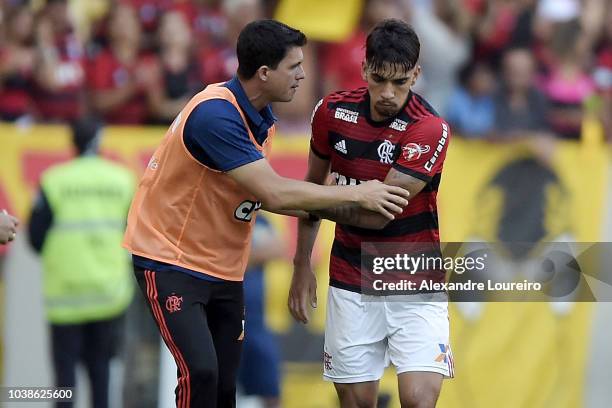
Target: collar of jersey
[
  {"x": 364, "y": 109},
  {"x": 264, "y": 118}
]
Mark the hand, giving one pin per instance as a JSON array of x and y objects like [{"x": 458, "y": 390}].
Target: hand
[
  {"x": 8, "y": 227},
  {"x": 382, "y": 198},
  {"x": 303, "y": 291}
]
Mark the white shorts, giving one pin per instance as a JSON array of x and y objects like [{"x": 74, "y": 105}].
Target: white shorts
[{"x": 364, "y": 333}]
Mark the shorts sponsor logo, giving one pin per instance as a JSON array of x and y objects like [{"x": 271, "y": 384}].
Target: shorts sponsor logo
[
  {"x": 385, "y": 152},
  {"x": 327, "y": 360},
  {"x": 413, "y": 151},
  {"x": 441, "y": 143},
  {"x": 346, "y": 115},
  {"x": 443, "y": 356},
  {"x": 244, "y": 212},
  {"x": 173, "y": 303}
]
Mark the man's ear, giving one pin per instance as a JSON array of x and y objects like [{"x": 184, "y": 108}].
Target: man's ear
[
  {"x": 364, "y": 75},
  {"x": 417, "y": 72},
  {"x": 263, "y": 73}
]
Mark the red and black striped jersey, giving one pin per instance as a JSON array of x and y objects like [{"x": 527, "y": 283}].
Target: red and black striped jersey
[{"x": 413, "y": 142}]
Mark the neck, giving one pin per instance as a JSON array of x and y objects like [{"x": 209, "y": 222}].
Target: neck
[{"x": 254, "y": 93}]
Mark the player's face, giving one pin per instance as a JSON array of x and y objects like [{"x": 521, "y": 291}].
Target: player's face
[
  {"x": 388, "y": 89},
  {"x": 283, "y": 81}
]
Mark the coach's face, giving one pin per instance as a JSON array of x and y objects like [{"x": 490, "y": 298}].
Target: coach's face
[
  {"x": 388, "y": 88},
  {"x": 281, "y": 83}
]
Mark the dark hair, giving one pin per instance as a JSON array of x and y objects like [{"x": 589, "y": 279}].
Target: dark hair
[
  {"x": 265, "y": 42},
  {"x": 84, "y": 131},
  {"x": 392, "y": 42}
]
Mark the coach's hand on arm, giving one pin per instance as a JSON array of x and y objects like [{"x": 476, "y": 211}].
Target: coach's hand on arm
[
  {"x": 359, "y": 217},
  {"x": 8, "y": 227},
  {"x": 280, "y": 193}
]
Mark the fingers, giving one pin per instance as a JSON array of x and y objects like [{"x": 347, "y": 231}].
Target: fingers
[
  {"x": 382, "y": 210},
  {"x": 297, "y": 307},
  {"x": 313, "y": 297},
  {"x": 399, "y": 191},
  {"x": 392, "y": 207}
]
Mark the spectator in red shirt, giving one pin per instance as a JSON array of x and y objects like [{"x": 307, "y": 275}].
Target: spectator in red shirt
[
  {"x": 59, "y": 71},
  {"x": 121, "y": 80},
  {"x": 178, "y": 68},
  {"x": 17, "y": 56},
  {"x": 341, "y": 61}
]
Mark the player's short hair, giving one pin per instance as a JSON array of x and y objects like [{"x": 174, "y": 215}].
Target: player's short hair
[
  {"x": 265, "y": 42},
  {"x": 392, "y": 42}
]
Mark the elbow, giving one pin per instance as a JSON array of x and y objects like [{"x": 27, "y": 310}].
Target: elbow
[{"x": 272, "y": 201}]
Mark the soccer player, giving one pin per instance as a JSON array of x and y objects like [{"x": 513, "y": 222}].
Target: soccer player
[
  {"x": 380, "y": 132},
  {"x": 190, "y": 222}
]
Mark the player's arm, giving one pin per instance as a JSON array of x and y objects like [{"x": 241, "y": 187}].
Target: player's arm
[
  {"x": 359, "y": 217},
  {"x": 281, "y": 193},
  {"x": 303, "y": 290}
]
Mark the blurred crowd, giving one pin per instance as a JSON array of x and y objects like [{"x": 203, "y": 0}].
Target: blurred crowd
[{"x": 496, "y": 69}]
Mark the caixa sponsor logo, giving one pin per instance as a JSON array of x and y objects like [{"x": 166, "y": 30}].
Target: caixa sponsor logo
[
  {"x": 441, "y": 143},
  {"x": 244, "y": 212}
]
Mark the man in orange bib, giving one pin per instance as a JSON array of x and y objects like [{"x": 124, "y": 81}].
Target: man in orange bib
[{"x": 190, "y": 222}]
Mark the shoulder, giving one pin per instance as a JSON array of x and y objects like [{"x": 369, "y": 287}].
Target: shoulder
[
  {"x": 345, "y": 102},
  {"x": 215, "y": 113},
  {"x": 429, "y": 127},
  {"x": 347, "y": 97}
]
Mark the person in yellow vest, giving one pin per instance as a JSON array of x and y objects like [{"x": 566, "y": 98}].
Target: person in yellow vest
[
  {"x": 8, "y": 227},
  {"x": 77, "y": 225},
  {"x": 190, "y": 222}
]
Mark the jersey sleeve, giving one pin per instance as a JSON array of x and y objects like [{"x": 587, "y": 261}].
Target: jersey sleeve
[
  {"x": 319, "y": 141},
  {"x": 422, "y": 149},
  {"x": 216, "y": 136}
]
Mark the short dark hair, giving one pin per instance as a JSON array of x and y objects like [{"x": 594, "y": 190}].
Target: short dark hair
[
  {"x": 84, "y": 131},
  {"x": 265, "y": 42},
  {"x": 392, "y": 42}
]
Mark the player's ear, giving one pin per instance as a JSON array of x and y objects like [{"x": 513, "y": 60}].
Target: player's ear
[
  {"x": 364, "y": 75},
  {"x": 417, "y": 72},
  {"x": 263, "y": 73}
]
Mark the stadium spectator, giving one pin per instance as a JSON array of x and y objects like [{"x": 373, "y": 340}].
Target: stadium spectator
[
  {"x": 122, "y": 81},
  {"x": 259, "y": 372},
  {"x": 520, "y": 108},
  {"x": 8, "y": 227},
  {"x": 76, "y": 226},
  {"x": 443, "y": 31},
  {"x": 179, "y": 69},
  {"x": 496, "y": 25},
  {"x": 218, "y": 60},
  {"x": 602, "y": 76},
  {"x": 190, "y": 239},
  {"x": 566, "y": 84},
  {"x": 17, "y": 56},
  {"x": 341, "y": 62},
  {"x": 471, "y": 108},
  {"x": 59, "y": 68}
]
